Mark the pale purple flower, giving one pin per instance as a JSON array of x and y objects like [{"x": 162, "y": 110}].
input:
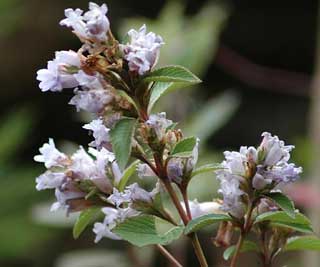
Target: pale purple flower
[
  {"x": 64, "y": 194},
  {"x": 259, "y": 182},
  {"x": 51, "y": 156},
  {"x": 143, "y": 50},
  {"x": 274, "y": 150},
  {"x": 56, "y": 76},
  {"x": 97, "y": 24},
  {"x": 93, "y": 101},
  {"x": 112, "y": 218},
  {"x": 93, "y": 82},
  {"x": 91, "y": 25},
  {"x": 50, "y": 180},
  {"x": 159, "y": 123},
  {"x": 103, "y": 230},
  {"x": 74, "y": 20},
  {"x": 284, "y": 173},
  {"x": 137, "y": 193},
  {"x": 231, "y": 197},
  {"x": 118, "y": 198},
  {"x": 99, "y": 131}
]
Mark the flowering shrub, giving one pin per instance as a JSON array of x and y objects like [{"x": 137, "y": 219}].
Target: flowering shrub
[{"x": 116, "y": 81}]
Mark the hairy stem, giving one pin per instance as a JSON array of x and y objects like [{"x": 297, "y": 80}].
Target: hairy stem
[
  {"x": 238, "y": 250},
  {"x": 168, "y": 255},
  {"x": 176, "y": 201}
]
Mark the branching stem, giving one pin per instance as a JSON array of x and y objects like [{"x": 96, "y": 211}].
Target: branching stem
[{"x": 168, "y": 255}]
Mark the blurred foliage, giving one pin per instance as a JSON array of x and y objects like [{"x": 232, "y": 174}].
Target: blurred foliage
[
  {"x": 11, "y": 16},
  {"x": 17, "y": 188}
]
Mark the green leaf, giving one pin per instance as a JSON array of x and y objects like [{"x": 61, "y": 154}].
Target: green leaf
[
  {"x": 128, "y": 172},
  {"x": 172, "y": 74},
  {"x": 302, "y": 243},
  {"x": 121, "y": 139},
  {"x": 203, "y": 221},
  {"x": 147, "y": 230},
  {"x": 246, "y": 246},
  {"x": 206, "y": 168},
  {"x": 185, "y": 145},
  {"x": 281, "y": 219},
  {"x": 84, "y": 219},
  {"x": 160, "y": 89},
  {"x": 283, "y": 202}
]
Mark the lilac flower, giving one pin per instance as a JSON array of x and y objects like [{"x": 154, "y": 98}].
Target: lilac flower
[
  {"x": 118, "y": 198},
  {"x": 93, "y": 82},
  {"x": 231, "y": 197},
  {"x": 103, "y": 230},
  {"x": 159, "y": 124},
  {"x": 50, "y": 156},
  {"x": 284, "y": 173},
  {"x": 91, "y": 25},
  {"x": 93, "y": 101},
  {"x": 97, "y": 24},
  {"x": 112, "y": 218},
  {"x": 100, "y": 132},
  {"x": 56, "y": 76},
  {"x": 274, "y": 150},
  {"x": 65, "y": 194},
  {"x": 143, "y": 50},
  {"x": 131, "y": 194},
  {"x": 50, "y": 180}
]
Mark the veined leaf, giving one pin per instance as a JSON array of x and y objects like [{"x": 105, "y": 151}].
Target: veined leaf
[
  {"x": 203, "y": 221},
  {"x": 185, "y": 145},
  {"x": 206, "y": 168},
  {"x": 172, "y": 74},
  {"x": 283, "y": 202},
  {"x": 147, "y": 230},
  {"x": 281, "y": 219},
  {"x": 121, "y": 139},
  {"x": 302, "y": 243},
  {"x": 159, "y": 89},
  {"x": 84, "y": 219},
  {"x": 128, "y": 172},
  {"x": 246, "y": 246}
]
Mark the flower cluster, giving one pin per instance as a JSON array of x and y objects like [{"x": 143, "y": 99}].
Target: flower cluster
[
  {"x": 105, "y": 76},
  {"x": 263, "y": 169},
  {"x": 94, "y": 70},
  {"x": 116, "y": 82}
]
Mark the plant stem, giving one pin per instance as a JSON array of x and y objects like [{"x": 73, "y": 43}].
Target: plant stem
[
  {"x": 238, "y": 250},
  {"x": 244, "y": 230},
  {"x": 168, "y": 255},
  {"x": 198, "y": 250},
  {"x": 184, "y": 193},
  {"x": 176, "y": 201},
  {"x": 194, "y": 238}
]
